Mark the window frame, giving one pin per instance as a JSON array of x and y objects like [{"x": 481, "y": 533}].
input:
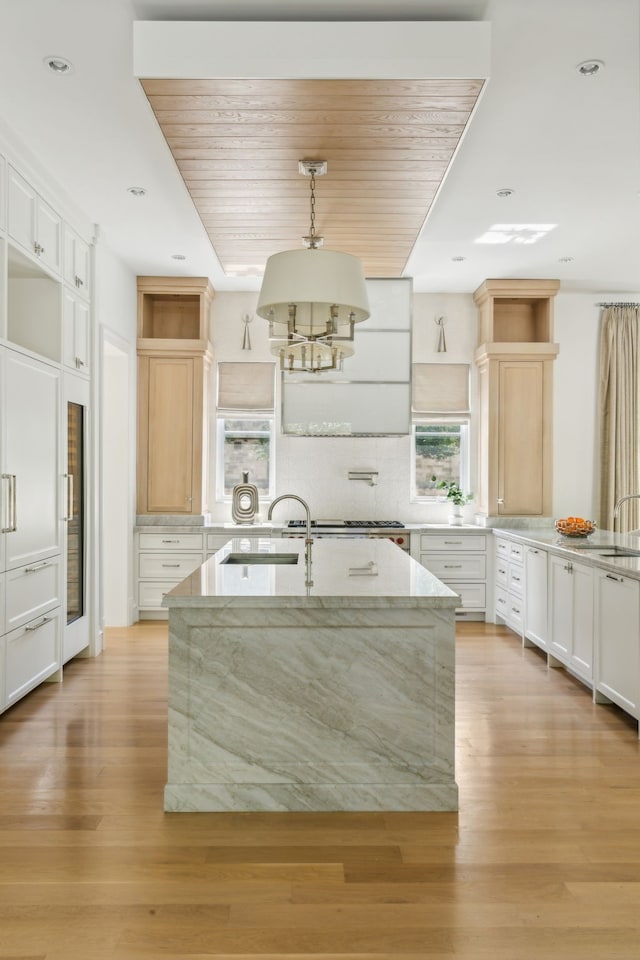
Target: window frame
[
  {"x": 222, "y": 435},
  {"x": 464, "y": 422}
]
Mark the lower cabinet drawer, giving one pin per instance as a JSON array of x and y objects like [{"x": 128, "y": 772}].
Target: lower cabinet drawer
[
  {"x": 151, "y": 593},
  {"x": 447, "y": 566},
  {"x": 31, "y": 591},
  {"x": 170, "y": 541},
  {"x": 516, "y": 579},
  {"x": 515, "y": 616},
  {"x": 164, "y": 566},
  {"x": 467, "y": 541},
  {"x": 32, "y": 653},
  {"x": 473, "y": 595},
  {"x": 502, "y": 603}
]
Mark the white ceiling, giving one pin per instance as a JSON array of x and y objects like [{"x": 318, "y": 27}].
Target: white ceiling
[{"x": 568, "y": 146}]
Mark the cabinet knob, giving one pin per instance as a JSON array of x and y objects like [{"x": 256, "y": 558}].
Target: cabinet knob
[{"x": 500, "y": 500}]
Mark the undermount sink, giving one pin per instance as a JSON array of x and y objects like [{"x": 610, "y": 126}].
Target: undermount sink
[
  {"x": 264, "y": 558},
  {"x": 619, "y": 552}
]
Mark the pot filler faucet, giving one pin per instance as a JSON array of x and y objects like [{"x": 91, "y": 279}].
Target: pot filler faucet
[{"x": 308, "y": 540}]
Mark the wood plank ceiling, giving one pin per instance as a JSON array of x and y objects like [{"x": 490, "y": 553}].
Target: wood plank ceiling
[{"x": 388, "y": 144}]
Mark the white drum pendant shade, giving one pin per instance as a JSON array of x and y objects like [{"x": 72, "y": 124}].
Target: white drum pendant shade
[{"x": 318, "y": 283}]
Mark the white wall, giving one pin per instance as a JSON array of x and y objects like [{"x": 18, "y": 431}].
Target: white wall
[{"x": 316, "y": 467}]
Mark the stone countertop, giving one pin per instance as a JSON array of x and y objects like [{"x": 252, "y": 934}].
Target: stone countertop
[
  {"x": 363, "y": 573},
  {"x": 585, "y": 550}
]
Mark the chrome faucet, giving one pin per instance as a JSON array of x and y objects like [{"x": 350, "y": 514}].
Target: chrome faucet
[
  {"x": 616, "y": 509},
  {"x": 308, "y": 539}
]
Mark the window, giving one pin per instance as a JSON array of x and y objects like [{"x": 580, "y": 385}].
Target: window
[
  {"x": 441, "y": 449},
  {"x": 244, "y": 446}
]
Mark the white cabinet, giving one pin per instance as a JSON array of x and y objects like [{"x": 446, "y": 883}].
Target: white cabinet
[
  {"x": 32, "y": 591},
  {"x": 164, "y": 559},
  {"x": 77, "y": 263},
  {"x": 3, "y": 200},
  {"x": 571, "y": 616},
  {"x": 535, "y": 598},
  {"x": 509, "y": 583},
  {"x": 75, "y": 333},
  {"x": 31, "y": 655},
  {"x": 33, "y": 223},
  {"x": 617, "y": 626},
  {"x": 29, "y": 459},
  {"x": 459, "y": 559}
]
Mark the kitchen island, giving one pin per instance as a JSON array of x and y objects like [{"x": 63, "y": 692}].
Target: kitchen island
[{"x": 320, "y": 686}]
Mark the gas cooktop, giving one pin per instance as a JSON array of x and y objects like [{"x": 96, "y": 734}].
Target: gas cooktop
[{"x": 338, "y": 524}]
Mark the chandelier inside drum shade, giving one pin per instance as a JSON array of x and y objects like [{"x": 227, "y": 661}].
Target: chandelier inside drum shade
[{"x": 312, "y": 299}]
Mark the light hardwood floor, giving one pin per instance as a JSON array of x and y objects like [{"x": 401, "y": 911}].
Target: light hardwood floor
[{"x": 542, "y": 860}]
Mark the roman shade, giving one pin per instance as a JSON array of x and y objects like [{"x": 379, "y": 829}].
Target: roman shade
[
  {"x": 246, "y": 387},
  {"x": 440, "y": 388}
]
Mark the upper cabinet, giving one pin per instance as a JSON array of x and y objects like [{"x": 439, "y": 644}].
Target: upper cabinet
[
  {"x": 515, "y": 397},
  {"x": 515, "y": 315},
  {"x": 33, "y": 223},
  {"x": 77, "y": 263},
  {"x": 173, "y": 314}
]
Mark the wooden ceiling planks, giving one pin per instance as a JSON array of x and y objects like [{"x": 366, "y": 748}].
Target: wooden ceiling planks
[{"x": 388, "y": 145}]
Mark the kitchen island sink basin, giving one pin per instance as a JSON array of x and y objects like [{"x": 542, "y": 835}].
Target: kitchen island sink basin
[
  {"x": 603, "y": 550},
  {"x": 265, "y": 558}
]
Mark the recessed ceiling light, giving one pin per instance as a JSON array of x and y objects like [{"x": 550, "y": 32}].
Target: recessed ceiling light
[
  {"x": 136, "y": 191},
  {"x": 565, "y": 259},
  {"x": 504, "y": 192},
  {"x": 178, "y": 256},
  {"x": 589, "y": 68},
  {"x": 458, "y": 259},
  {"x": 58, "y": 65}
]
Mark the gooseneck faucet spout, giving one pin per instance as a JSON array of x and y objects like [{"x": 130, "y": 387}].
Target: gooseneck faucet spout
[
  {"x": 629, "y": 496},
  {"x": 308, "y": 539}
]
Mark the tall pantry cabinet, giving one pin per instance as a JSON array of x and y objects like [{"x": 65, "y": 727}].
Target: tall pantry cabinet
[
  {"x": 44, "y": 366},
  {"x": 514, "y": 360},
  {"x": 174, "y": 357}
]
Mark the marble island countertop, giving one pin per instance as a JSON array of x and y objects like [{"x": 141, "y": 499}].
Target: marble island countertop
[{"x": 342, "y": 572}]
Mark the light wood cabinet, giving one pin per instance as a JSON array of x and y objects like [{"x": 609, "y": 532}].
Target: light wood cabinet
[
  {"x": 174, "y": 359},
  {"x": 515, "y": 397}
]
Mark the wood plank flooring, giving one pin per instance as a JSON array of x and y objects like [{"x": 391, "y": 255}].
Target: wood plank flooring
[{"x": 542, "y": 860}]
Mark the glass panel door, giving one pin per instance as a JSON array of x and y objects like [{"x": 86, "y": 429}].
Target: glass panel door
[{"x": 75, "y": 512}]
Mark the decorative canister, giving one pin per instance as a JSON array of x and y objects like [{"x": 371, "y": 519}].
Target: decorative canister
[{"x": 244, "y": 503}]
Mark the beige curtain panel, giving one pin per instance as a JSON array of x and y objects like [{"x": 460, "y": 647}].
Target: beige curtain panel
[
  {"x": 440, "y": 388},
  {"x": 619, "y": 406},
  {"x": 246, "y": 387}
]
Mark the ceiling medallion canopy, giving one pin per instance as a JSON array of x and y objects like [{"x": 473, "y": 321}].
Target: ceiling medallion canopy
[{"x": 312, "y": 298}]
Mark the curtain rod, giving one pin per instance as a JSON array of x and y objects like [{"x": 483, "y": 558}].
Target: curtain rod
[{"x": 618, "y": 303}]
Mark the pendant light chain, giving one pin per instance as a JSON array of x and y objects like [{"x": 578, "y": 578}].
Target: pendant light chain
[{"x": 312, "y": 231}]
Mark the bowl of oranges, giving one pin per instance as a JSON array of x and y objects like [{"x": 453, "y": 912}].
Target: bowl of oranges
[{"x": 575, "y": 527}]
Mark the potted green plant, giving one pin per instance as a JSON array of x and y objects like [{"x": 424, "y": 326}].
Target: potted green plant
[{"x": 456, "y": 496}]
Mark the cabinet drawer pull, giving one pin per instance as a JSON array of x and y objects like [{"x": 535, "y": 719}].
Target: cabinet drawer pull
[
  {"x": 40, "y": 623},
  {"x": 516, "y": 610},
  {"x": 452, "y": 566},
  {"x": 170, "y": 564},
  {"x": 453, "y": 543},
  {"x": 610, "y": 576},
  {"x": 170, "y": 541},
  {"x": 517, "y": 579},
  {"x": 38, "y": 566}
]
